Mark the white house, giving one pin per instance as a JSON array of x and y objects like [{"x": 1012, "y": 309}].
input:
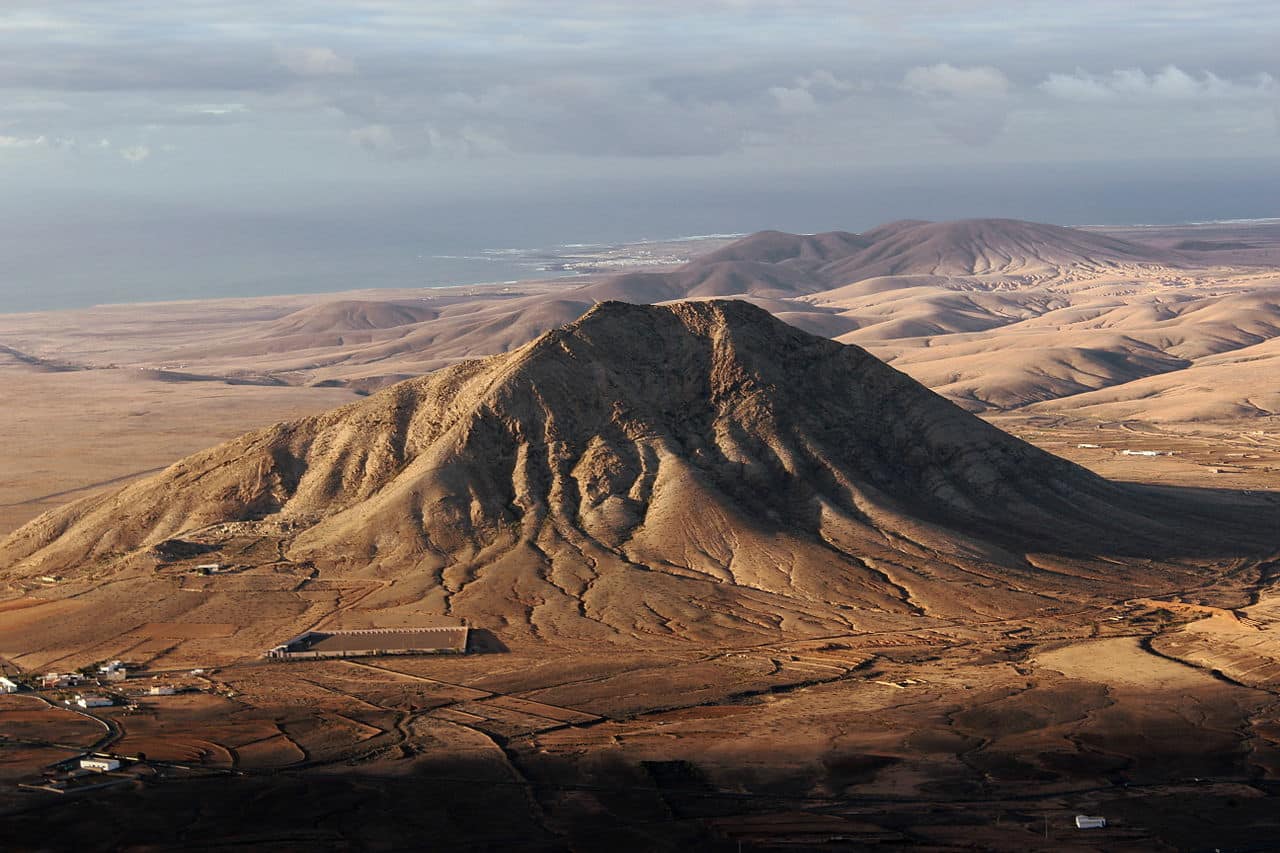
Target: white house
[
  {"x": 8, "y": 686},
  {"x": 1084, "y": 821},
  {"x": 54, "y": 679},
  {"x": 113, "y": 671},
  {"x": 93, "y": 701},
  {"x": 161, "y": 690},
  {"x": 100, "y": 765}
]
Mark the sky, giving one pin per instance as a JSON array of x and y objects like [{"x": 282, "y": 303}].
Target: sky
[{"x": 164, "y": 146}]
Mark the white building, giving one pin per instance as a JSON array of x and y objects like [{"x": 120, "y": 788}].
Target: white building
[
  {"x": 100, "y": 765},
  {"x": 1084, "y": 821},
  {"x": 113, "y": 671},
  {"x": 161, "y": 690},
  {"x": 8, "y": 686},
  {"x": 93, "y": 702},
  {"x": 54, "y": 679}
]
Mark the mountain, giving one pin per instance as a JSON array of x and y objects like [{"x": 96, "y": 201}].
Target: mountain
[
  {"x": 970, "y": 247},
  {"x": 696, "y": 471}
]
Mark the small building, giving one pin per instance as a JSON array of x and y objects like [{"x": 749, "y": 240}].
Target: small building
[
  {"x": 100, "y": 765},
  {"x": 1084, "y": 821},
  {"x": 209, "y": 568},
  {"x": 161, "y": 690},
  {"x": 94, "y": 701},
  {"x": 7, "y": 685},
  {"x": 54, "y": 680},
  {"x": 113, "y": 671}
]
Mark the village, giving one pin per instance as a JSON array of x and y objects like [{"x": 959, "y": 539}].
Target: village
[
  {"x": 86, "y": 692},
  {"x": 107, "y": 693}
]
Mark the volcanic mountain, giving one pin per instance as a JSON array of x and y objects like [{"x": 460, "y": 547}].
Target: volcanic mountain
[{"x": 698, "y": 470}]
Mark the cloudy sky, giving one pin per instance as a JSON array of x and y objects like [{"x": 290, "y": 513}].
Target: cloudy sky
[{"x": 540, "y": 118}]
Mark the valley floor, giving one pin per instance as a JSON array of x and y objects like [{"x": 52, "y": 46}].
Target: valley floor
[{"x": 992, "y": 735}]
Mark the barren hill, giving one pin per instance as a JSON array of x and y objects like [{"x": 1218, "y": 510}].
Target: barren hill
[
  {"x": 693, "y": 471},
  {"x": 350, "y": 315},
  {"x": 988, "y": 246},
  {"x": 778, "y": 247}
]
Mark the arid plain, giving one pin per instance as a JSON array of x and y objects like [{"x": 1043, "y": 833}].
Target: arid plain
[{"x": 732, "y": 585}]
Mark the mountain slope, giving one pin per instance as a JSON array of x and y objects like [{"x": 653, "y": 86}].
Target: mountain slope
[{"x": 694, "y": 471}]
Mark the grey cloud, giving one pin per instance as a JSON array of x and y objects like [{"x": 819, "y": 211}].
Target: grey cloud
[
  {"x": 794, "y": 100},
  {"x": 141, "y": 67},
  {"x": 314, "y": 61},
  {"x": 1171, "y": 83},
  {"x": 578, "y": 114},
  {"x": 136, "y": 153},
  {"x": 947, "y": 81},
  {"x": 810, "y": 90},
  {"x": 501, "y": 78},
  {"x": 23, "y": 141},
  {"x": 968, "y": 104}
]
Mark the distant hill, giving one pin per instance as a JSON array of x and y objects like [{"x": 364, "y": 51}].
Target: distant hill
[
  {"x": 349, "y": 315},
  {"x": 989, "y": 246},
  {"x": 778, "y": 247}
]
